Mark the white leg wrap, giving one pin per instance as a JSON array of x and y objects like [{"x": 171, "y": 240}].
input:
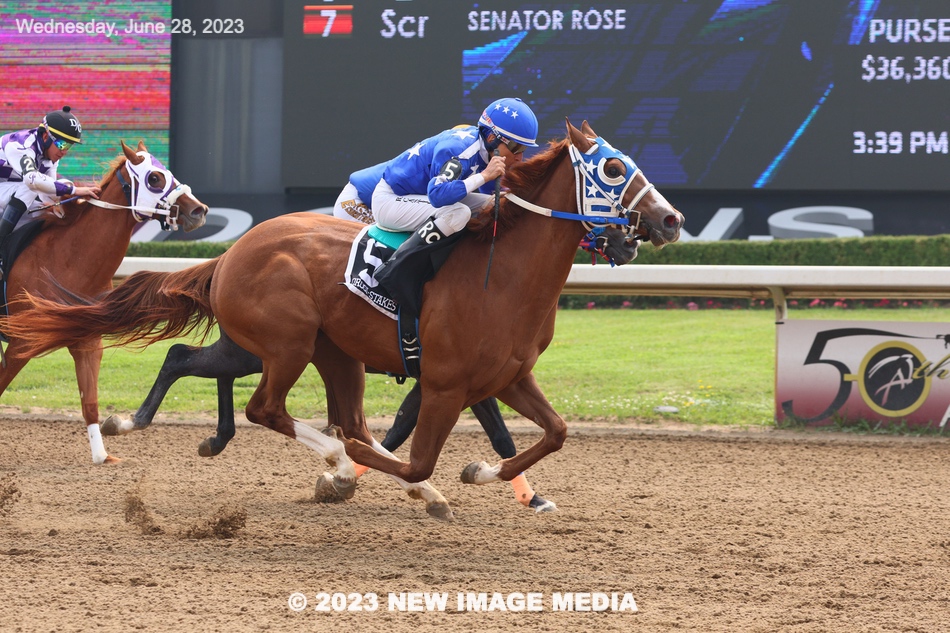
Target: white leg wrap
[
  {"x": 95, "y": 443},
  {"x": 327, "y": 447}
]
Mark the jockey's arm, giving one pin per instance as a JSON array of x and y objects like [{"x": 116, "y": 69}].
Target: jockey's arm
[
  {"x": 475, "y": 182},
  {"x": 40, "y": 182},
  {"x": 451, "y": 184},
  {"x": 444, "y": 190}
]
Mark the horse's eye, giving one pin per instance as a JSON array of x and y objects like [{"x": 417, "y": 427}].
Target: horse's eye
[
  {"x": 154, "y": 180},
  {"x": 612, "y": 172}
]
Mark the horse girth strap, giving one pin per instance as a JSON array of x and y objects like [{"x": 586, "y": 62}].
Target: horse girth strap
[{"x": 410, "y": 347}]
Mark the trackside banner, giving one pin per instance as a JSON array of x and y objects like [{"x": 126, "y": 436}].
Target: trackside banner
[{"x": 883, "y": 371}]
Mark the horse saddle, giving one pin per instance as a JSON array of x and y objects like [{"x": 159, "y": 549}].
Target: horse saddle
[{"x": 371, "y": 247}]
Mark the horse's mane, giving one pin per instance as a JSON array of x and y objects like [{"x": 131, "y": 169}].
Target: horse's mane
[
  {"x": 111, "y": 168},
  {"x": 524, "y": 179}
]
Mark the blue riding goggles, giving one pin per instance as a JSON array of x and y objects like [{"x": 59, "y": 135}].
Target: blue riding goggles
[{"x": 60, "y": 144}]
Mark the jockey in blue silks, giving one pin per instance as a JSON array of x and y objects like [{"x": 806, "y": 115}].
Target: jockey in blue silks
[
  {"x": 28, "y": 161},
  {"x": 434, "y": 187},
  {"x": 431, "y": 178}
]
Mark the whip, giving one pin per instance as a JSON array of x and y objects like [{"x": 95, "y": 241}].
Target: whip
[{"x": 494, "y": 232}]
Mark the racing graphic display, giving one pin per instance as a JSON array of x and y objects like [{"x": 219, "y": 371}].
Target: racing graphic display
[
  {"x": 108, "y": 61},
  {"x": 835, "y": 95}
]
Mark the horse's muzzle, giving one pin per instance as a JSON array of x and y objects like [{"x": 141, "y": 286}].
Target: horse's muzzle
[
  {"x": 193, "y": 218},
  {"x": 668, "y": 231}
]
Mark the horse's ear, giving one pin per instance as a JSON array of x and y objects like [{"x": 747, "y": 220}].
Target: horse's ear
[
  {"x": 587, "y": 130},
  {"x": 142, "y": 147},
  {"x": 130, "y": 153},
  {"x": 577, "y": 137}
]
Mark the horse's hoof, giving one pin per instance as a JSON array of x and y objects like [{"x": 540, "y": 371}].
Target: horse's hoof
[
  {"x": 333, "y": 431},
  {"x": 112, "y": 460},
  {"x": 330, "y": 489},
  {"x": 346, "y": 488},
  {"x": 540, "y": 504},
  {"x": 470, "y": 472},
  {"x": 114, "y": 425},
  {"x": 441, "y": 511},
  {"x": 325, "y": 491},
  {"x": 206, "y": 448}
]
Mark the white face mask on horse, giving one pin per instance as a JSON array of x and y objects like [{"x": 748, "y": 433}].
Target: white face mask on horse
[{"x": 147, "y": 201}]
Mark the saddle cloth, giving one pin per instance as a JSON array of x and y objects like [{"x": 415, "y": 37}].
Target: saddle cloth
[{"x": 372, "y": 247}]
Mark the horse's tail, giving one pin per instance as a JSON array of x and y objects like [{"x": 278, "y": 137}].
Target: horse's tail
[{"x": 146, "y": 308}]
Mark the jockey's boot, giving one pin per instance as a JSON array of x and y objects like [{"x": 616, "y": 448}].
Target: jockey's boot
[
  {"x": 407, "y": 270},
  {"x": 11, "y": 215}
]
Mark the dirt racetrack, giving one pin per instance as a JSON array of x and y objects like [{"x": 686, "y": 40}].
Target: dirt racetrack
[{"x": 713, "y": 531}]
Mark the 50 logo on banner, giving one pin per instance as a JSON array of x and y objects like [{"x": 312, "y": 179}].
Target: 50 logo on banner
[{"x": 894, "y": 372}]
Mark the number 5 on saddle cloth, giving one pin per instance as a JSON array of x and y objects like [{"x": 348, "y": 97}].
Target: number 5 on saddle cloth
[{"x": 373, "y": 246}]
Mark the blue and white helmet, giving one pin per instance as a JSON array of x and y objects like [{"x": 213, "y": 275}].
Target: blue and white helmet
[{"x": 512, "y": 120}]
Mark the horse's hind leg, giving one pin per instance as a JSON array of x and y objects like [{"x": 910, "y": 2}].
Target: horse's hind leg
[
  {"x": 224, "y": 360},
  {"x": 178, "y": 363},
  {"x": 12, "y": 364},
  {"x": 224, "y": 432},
  {"x": 268, "y": 407}
]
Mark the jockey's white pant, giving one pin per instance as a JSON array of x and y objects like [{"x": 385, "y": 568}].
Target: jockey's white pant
[
  {"x": 409, "y": 212},
  {"x": 19, "y": 189},
  {"x": 349, "y": 206}
]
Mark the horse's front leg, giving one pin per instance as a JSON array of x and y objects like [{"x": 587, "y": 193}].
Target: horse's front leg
[
  {"x": 436, "y": 505},
  {"x": 489, "y": 416},
  {"x": 526, "y": 398},
  {"x": 87, "y": 358},
  {"x": 437, "y": 415},
  {"x": 343, "y": 377}
]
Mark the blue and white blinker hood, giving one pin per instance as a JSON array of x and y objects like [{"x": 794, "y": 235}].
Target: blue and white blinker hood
[
  {"x": 598, "y": 201},
  {"x": 601, "y": 196}
]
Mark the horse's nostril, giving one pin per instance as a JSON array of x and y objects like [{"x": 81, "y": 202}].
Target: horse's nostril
[{"x": 670, "y": 221}]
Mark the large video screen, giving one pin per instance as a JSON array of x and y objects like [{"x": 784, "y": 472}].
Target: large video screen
[
  {"x": 846, "y": 95},
  {"x": 110, "y": 61}
]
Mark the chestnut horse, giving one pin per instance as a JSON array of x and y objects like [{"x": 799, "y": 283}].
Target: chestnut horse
[
  {"x": 277, "y": 293},
  {"x": 81, "y": 249}
]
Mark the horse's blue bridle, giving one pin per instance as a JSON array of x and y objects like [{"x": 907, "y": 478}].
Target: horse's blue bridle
[{"x": 598, "y": 200}]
